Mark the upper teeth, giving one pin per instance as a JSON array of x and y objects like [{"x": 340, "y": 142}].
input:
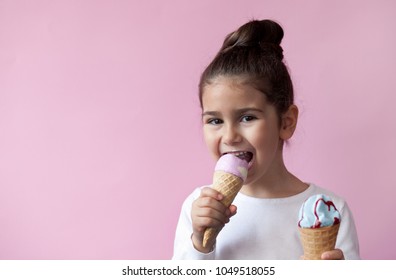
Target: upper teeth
[{"x": 242, "y": 155}]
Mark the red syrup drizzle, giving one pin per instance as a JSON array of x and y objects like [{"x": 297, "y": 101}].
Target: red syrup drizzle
[
  {"x": 329, "y": 204},
  {"x": 317, "y": 222}
]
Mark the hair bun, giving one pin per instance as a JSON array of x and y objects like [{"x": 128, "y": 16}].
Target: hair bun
[{"x": 266, "y": 34}]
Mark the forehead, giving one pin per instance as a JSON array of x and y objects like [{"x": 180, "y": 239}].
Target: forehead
[{"x": 233, "y": 91}]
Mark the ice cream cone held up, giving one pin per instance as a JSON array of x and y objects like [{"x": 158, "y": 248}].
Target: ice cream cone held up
[
  {"x": 318, "y": 225},
  {"x": 230, "y": 173}
]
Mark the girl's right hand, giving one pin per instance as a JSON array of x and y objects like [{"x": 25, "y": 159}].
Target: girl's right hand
[{"x": 208, "y": 211}]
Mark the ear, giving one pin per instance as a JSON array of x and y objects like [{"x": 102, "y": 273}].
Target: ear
[{"x": 288, "y": 123}]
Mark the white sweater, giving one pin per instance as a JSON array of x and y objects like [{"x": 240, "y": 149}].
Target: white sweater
[{"x": 263, "y": 229}]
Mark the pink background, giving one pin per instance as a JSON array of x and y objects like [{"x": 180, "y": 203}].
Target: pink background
[{"x": 100, "y": 137}]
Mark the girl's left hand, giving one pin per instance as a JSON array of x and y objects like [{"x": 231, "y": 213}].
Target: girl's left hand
[{"x": 335, "y": 254}]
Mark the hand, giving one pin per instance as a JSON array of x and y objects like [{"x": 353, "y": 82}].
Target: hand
[
  {"x": 208, "y": 211},
  {"x": 335, "y": 254}
]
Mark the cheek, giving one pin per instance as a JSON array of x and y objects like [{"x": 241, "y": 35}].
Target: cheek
[
  {"x": 210, "y": 138},
  {"x": 265, "y": 139}
]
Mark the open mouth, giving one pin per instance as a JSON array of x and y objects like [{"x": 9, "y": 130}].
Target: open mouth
[{"x": 248, "y": 156}]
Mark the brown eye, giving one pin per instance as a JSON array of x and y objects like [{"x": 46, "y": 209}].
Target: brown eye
[
  {"x": 214, "y": 121},
  {"x": 248, "y": 118}
]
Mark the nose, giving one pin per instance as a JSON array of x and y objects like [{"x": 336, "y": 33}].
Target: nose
[{"x": 231, "y": 135}]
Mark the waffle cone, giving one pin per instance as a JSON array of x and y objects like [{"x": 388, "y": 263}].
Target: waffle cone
[
  {"x": 228, "y": 185},
  {"x": 315, "y": 241}
]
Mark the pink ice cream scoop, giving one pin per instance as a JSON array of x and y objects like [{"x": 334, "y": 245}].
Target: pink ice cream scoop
[
  {"x": 233, "y": 165},
  {"x": 228, "y": 178}
]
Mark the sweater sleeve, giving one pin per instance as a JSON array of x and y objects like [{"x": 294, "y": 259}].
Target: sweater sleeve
[
  {"x": 347, "y": 239},
  {"x": 183, "y": 247}
]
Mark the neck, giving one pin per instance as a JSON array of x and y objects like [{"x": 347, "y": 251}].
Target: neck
[{"x": 277, "y": 183}]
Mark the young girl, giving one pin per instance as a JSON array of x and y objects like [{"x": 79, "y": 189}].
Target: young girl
[{"x": 246, "y": 97}]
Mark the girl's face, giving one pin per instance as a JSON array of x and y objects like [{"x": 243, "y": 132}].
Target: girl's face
[{"x": 237, "y": 119}]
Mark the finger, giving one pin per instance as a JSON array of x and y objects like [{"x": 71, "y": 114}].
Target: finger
[
  {"x": 232, "y": 210},
  {"x": 212, "y": 213},
  {"x": 210, "y": 192},
  {"x": 206, "y": 222},
  {"x": 335, "y": 254},
  {"x": 210, "y": 202}
]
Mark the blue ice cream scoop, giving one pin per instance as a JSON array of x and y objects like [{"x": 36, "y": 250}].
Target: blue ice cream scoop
[{"x": 318, "y": 211}]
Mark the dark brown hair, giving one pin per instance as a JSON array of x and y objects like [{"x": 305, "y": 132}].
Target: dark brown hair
[{"x": 254, "y": 52}]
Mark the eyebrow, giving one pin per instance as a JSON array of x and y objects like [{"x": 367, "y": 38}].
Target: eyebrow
[{"x": 239, "y": 111}]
